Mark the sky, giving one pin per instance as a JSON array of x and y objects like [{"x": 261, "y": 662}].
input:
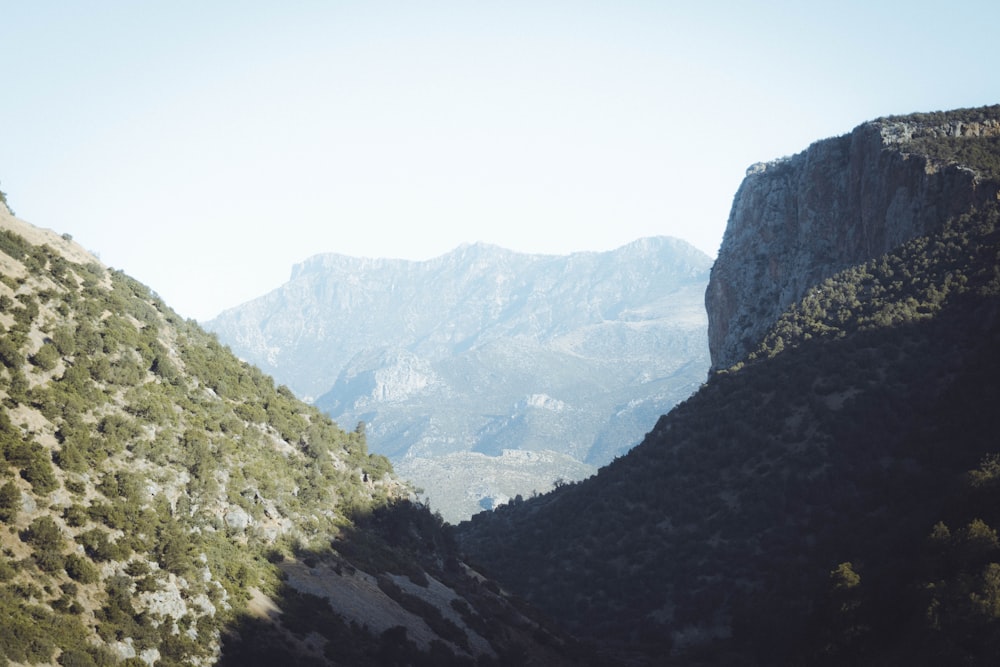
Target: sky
[{"x": 204, "y": 147}]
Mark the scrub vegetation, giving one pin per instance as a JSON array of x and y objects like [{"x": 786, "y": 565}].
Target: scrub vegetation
[
  {"x": 151, "y": 484},
  {"x": 831, "y": 499}
]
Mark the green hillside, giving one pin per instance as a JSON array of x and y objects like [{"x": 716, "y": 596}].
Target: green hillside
[
  {"x": 165, "y": 503},
  {"x": 831, "y": 500}
]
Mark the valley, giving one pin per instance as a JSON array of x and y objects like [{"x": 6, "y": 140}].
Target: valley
[{"x": 828, "y": 494}]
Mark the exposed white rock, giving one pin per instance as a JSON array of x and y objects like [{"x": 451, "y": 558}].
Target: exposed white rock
[
  {"x": 123, "y": 649},
  {"x": 543, "y": 401},
  {"x": 150, "y": 656},
  {"x": 237, "y": 518},
  {"x": 28, "y": 504},
  {"x": 166, "y": 602}
]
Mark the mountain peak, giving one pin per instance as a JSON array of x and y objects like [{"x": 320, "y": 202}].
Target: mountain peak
[{"x": 615, "y": 337}]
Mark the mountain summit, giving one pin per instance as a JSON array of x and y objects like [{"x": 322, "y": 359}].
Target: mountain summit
[{"x": 485, "y": 373}]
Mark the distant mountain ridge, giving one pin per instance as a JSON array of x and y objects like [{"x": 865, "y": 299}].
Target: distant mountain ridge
[
  {"x": 461, "y": 299},
  {"x": 487, "y": 350}
]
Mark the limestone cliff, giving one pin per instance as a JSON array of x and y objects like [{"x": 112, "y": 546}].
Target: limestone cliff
[{"x": 844, "y": 200}]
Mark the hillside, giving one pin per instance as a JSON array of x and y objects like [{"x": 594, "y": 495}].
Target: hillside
[
  {"x": 830, "y": 495},
  {"x": 165, "y": 503},
  {"x": 569, "y": 358}
]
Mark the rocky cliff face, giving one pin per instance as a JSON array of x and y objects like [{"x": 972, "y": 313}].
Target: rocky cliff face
[{"x": 798, "y": 220}]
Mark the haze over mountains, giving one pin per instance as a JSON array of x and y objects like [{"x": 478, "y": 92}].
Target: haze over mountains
[
  {"x": 485, "y": 373},
  {"x": 830, "y": 495}
]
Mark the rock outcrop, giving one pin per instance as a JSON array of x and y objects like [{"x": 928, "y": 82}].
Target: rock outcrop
[{"x": 844, "y": 200}]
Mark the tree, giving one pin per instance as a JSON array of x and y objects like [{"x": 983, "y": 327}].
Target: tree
[
  {"x": 38, "y": 471},
  {"x": 46, "y": 540},
  {"x": 10, "y": 502},
  {"x": 46, "y": 358},
  {"x": 10, "y": 355},
  {"x": 174, "y": 551},
  {"x": 81, "y": 569}
]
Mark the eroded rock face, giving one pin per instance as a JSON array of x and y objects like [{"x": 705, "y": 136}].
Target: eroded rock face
[{"x": 842, "y": 201}]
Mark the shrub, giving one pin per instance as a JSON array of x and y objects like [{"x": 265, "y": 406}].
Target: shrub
[
  {"x": 99, "y": 546},
  {"x": 10, "y": 502},
  {"x": 64, "y": 340},
  {"x": 38, "y": 472},
  {"x": 80, "y": 569},
  {"x": 46, "y": 358},
  {"x": 75, "y": 657},
  {"x": 46, "y": 540},
  {"x": 7, "y": 570}
]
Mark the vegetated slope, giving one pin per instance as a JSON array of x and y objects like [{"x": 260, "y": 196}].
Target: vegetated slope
[
  {"x": 165, "y": 503},
  {"x": 466, "y": 358},
  {"x": 801, "y": 219},
  {"x": 833, "y": 500}
]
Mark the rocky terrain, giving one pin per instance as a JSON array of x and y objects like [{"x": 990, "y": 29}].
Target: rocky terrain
[
  {"x": 484, "y": 351},
  {"x": 799, "y": 220}
]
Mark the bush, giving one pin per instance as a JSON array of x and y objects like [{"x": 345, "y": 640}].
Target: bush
[
  {"x": 76, "y": 515},
  {"x": 38, "y": 472},
  {"x": 75, "y": 657},
  {"x": 46, "y": 358},
  {"x": 10, "y": 502},
  {"x": 64, "y": 340},
  {"x": 80, "y": 569},
  {"x": 99, "y": 546},
  {"x": 7, "y": 570},
  {"x": 35, "y": 464},
  {"x": 46, "y": 539}
]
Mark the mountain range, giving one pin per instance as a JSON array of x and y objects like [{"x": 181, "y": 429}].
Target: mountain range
[
  {"x": 831, "y": 494},
  {"x": 485, "y": 374}
]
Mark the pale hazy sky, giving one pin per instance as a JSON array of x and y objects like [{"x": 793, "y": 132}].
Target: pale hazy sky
[{"x": 204, "y": 147}]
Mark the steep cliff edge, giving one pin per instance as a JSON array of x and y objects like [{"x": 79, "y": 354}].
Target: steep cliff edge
[
  {"x": 836, "y": 499},
  {"x": 844, "y": 200}
]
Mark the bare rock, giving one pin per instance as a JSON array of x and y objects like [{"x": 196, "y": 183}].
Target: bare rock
[
  {"x": 799, "y": 220},
  {"x": 238, "y": 519}
]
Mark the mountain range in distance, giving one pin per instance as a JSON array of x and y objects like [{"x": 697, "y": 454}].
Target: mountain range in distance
[
  {"x": 829, "y": 495},
  {"x": 486, "y": 374}
]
